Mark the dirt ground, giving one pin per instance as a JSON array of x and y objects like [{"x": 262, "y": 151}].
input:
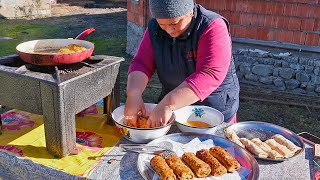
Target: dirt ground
[{"x": 109, "y": 20}]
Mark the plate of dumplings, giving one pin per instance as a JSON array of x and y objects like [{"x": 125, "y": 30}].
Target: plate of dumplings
[{"x": 265, "y": 140}]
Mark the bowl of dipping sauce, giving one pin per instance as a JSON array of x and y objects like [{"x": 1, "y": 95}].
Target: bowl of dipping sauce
[{"x": 198, "y": 119}]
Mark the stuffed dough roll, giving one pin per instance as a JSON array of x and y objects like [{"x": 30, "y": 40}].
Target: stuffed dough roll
[
  {"x": 217, "y": 169},
  {"x": 162, "y": 168},
  {"x": 222, "y": 155},
  {"x": 179, "y": 168}
]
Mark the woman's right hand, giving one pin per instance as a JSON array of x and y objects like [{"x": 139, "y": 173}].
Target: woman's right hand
[{"x": 134, "y": 105}]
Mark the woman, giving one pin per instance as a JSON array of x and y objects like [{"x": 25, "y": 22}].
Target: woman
[{"x": 190, "y": 49}]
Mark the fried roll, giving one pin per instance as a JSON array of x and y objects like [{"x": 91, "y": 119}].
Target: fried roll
[
  {"x": 162, "y": 168},
  {"x": 217, "y": 169},
  {"x": 266, "y": 148},
  {"x": 286, "y": 142},
  {"x": 200, "y": 168},
  {"x": 179, "y": 168},
  {"x": 232, "y": 136},
  {"x": 283, "y": 150},
  {"x": 253, "y": 148},
  {"x": 225, "y": 158}
]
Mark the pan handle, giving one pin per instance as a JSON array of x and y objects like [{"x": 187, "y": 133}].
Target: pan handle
[{"x": 85, "y": 33}]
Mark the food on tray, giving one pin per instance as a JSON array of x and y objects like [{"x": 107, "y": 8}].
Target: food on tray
[
  {"x": 162, "y": 168},
  {"x": 266, "y": 148},
  {"x": 277, "y": 147},
  {"x": 285, "y": 142},
  {"x": 253, "y": 148},
  {"x": 179, "y": 168},
  {"x": 231, "y": 135},
  {"x": 200, "y": 168},
  {"x": 199, "y": 124},
  {"x": 225, "y": 158},
  {"x": 217, "y": 169},
  {"x": 283, "y": 150},
  {"x": 71, "y": 49}
]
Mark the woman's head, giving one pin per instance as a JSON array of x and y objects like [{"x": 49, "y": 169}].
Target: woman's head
[{"x": 173, "y": 16}]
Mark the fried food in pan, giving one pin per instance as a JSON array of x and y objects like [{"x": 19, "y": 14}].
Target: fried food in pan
[
  {"x": 225, "y": 158},
  {"x": 217, "y": 169},
  {"x": 179, "y": 168},
  {"x": 266, "y": 148},
  {"x": 162, "y": 168},
  {"x": 253, "y": 148},
  {"x": 283, "y": 150},
  {"x": 286, "y": 142},
  {"x": 200, "y": 168}
]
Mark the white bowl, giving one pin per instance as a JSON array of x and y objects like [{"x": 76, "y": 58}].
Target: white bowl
[
  {"x": 139, "y": 135},
  {"x": 205, "y": 114}
]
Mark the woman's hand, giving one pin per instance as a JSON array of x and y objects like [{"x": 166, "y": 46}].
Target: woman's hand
[
  {"x": 160, "y": 116},
  {"x": 134, "y": 105}
]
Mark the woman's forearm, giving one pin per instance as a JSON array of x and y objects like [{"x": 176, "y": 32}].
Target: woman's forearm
[
  {"x": 181, "y": 96},
  {"x": 137, "y": 82}
]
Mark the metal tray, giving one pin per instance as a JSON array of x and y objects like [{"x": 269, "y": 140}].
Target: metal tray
[
  {"x": 264, "y": 131},
  {"x": 244, "y": 157}
]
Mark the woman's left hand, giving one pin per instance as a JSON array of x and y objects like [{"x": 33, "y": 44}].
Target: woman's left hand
[{"x": 159, "y": 116}]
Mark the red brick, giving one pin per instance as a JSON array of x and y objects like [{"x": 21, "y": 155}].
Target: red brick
[
  {"x": 269, "y": 8},
  {"x": 251, "y": 32},
  {"x": 272, "y": 34},
  {"x": 314, "y": 12},
  {"x": 284, "y": 36},
  {"x": 316, "y": 26},
  {"x": 226, "y": 14},
  {"x": 312, "y": 39},
  {"x": 278, "y": 8},
  {"x": 218, "y": 4},
  {"x": 232, "y": 30},
  {"x": 264, "y": 7},
  {"x": 290, "y": 9},
  {"x": 129, "y": 6},
  {"x": 294, "y": 23},
  {"x": 242, "y": 6},
  {"x": 299, "y": 37},
  {"x": 130, "y": 16},
  {"x": 257, "y": 7},
  {"x": 307, "y": 24},
  {"x": 262, "y": 33},
  {"x": 231, "y": 5},
  {"x": 239, "y": 31},
  {"x": 268, "y": 21},
  {"x": 245, "y": 19},
  {"x": 235, "y": 18},
  {"x": 282, "y": 22},
  {"x": 139, "y": 19},
  {"x": 303, "y": 10}
]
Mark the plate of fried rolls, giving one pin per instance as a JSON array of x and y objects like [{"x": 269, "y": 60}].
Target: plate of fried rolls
[
  {"x": 265, "y": 141},
  {"x": 198, "y": 156}
]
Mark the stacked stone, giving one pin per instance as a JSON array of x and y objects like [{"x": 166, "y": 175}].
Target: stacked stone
[{"x": 283, "y": 71}]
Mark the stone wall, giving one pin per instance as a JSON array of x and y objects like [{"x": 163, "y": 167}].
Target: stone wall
[
  {"x": 280, "y": 69},
  {"x": 12, "y": 9}
]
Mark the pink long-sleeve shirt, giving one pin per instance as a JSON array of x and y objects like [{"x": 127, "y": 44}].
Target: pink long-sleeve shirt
[{"x": 212, "y": 62}]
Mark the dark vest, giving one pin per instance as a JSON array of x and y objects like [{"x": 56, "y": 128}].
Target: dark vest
[{"x": 175, "y": 60}]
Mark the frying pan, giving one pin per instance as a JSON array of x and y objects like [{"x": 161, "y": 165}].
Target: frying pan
[{"x": 37, "y": 52}]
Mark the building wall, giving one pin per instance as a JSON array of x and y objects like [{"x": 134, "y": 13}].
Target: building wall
[
  {"x": 286, "y": 22},
  {"x": 290, "y": 21},
  {"x": 25, "y": 8}
]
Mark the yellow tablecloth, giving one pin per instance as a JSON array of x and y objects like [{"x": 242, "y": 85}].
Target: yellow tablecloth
[{"x": 23, "y": 136}]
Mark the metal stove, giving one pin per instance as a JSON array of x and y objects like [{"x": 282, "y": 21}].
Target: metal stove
[{"x": 59, "y": 93}]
